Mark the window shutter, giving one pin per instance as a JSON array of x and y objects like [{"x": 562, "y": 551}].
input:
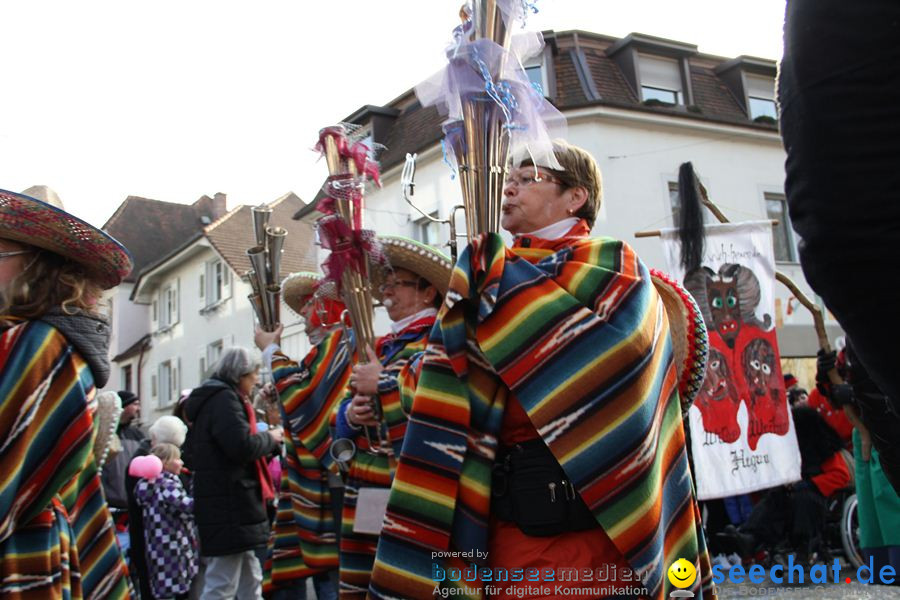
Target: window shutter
[
  {"x": 202, "y": 285},
  {"x": 176, "y": 380},
  {"x": 760, "y": 87},
  {"x": 660, "y": 73}
]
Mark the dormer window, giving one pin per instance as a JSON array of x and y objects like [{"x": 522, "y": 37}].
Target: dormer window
[
  {"x": 535, "y": 73},
  {"x": 760, "y": 96},
  {"x": 752, "y": 81},
  {"x": 539, "y": 70},
  {"x": 658, "y": 70},
  {"x": 660, "y": 80}
]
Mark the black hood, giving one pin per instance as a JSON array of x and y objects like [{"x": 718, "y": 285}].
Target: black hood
[
  {"x": 200, "y": 395},
  {"x": 89, "y": 334}
]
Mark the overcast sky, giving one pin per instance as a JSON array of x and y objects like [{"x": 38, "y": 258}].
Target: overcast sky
[{"x": 172, "y": 100}]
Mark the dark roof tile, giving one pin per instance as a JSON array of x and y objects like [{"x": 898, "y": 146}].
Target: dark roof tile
[
  {"x": 152, "y": 229},
  {"x": 232, "y": 236}
]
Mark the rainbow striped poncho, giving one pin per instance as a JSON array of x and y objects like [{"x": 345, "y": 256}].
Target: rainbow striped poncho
[
  {"x": 56, "y": 536},
  {"x": 303, "y": 540},
  {"x": 399, "y": 354},
  {"x": 576, "y": 331}
]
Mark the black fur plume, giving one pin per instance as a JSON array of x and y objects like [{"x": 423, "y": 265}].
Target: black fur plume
[{"x": 690, "y": 219}]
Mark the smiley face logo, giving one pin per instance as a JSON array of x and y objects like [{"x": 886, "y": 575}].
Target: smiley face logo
[{"x": 682, "y": 573}]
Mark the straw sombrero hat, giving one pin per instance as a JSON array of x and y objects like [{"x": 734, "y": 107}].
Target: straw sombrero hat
[
  {"x": 415, "y": 257},
  {"x": 690, "y": 340},
  {"x": 298, "y": 288},
  {"x": 43, "y": 223}
]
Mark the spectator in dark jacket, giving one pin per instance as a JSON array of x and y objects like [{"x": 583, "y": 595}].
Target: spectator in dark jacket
[{"x": 231, "y": 482}]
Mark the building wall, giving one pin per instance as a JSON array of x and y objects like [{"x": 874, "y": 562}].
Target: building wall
[
  {"x": 639, "y": 154},
  {"x": 190, "y": 345},
  {"x": 128, "y": 324}
]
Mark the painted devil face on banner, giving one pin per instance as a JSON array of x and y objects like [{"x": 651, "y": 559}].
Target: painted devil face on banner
[
  {"x": 728, "y": 299},
  {"x": 758, "y": 361},
  {"x": 725, "y": 307},
  {"x": 718, "y": 399}
]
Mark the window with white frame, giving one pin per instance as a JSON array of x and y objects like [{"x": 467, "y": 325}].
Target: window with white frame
[
  {"x": 776, "y": 208},
  {"x": 165, "y": 383},
  {"x": 215, "y": 282},
  {"x": 214, "y": 352},
  {"x": 168, "y": 305},
  {"x": 168, "y": 383},
  {"x": 661, "y": 79},
  {"x": 760, "y": 96},
  {"x": 537, "y": 74},
  {"x": 126, "y": 378},
  {"x": 427, "y": 231}
]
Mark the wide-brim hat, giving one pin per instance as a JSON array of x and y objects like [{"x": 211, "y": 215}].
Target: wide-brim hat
[
  {"x": 38, "y": 223},
  {"x": 298, "y": 288},
  {"x": 423, "y": 260},
  {"x": 690, "y": 339}
]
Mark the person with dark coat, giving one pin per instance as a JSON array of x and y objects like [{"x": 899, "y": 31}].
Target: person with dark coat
[
  {"x": 839, "y": 98},
  {"x": 231, "y": 482}
]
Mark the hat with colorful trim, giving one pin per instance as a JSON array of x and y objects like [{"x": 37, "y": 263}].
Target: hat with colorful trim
[
  {"x": 299, "y": 288},
  {"x": 690, "y": 339},
  {"x": 423, "y": 260},
  {"x": 44, "y": 224}
]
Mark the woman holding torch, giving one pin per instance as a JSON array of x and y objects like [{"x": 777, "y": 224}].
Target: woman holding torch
[
  {"x": 374, "y": 412},
  {"x": 546, "y": 430},
  {"x": 304, "y": 541}
]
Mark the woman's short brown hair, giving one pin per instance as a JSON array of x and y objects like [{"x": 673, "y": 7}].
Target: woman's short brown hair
[
  {"x": 579, "y": 169},
  {"x": 50, "y": 281}
]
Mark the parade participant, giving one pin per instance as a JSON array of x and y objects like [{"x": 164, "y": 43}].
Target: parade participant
[
  {"x": 839, "y": 100},
  {"x": 550, "y": 366},
  {"x": 231, "y": 481},
  {"x": 56, "y": 535},
  {"x": 304, "y": 540},
  {"x": 411, "y": 291}
]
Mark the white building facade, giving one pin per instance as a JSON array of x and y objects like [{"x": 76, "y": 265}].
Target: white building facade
[{"x": 613, "y": 93}]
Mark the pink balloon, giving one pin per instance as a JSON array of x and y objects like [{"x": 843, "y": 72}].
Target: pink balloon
[{"x": 145, "y": 467}]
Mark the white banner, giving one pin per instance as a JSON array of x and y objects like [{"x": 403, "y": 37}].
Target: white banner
[{"x": 742, "y": 434}]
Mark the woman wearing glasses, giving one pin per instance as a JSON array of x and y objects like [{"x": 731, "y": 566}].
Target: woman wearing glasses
[
  {"x": 56, "y": 536},
  {"x": 374, "y": 413},
  {"x": 546, "y": 431}
]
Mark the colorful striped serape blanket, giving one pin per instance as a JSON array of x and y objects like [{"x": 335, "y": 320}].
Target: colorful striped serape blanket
[
  {"x": 398, "y": 353},
  {"x": 577, "y": 332},
  {"x": 303, "y": 540},
  {"x": 56, "y": 535}
]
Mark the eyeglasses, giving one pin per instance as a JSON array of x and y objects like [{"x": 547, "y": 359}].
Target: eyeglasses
[
  {"x": 530, "y": 178},
  {"x": 14, "y": 253},
  {"x": 389, "y": 287}
]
